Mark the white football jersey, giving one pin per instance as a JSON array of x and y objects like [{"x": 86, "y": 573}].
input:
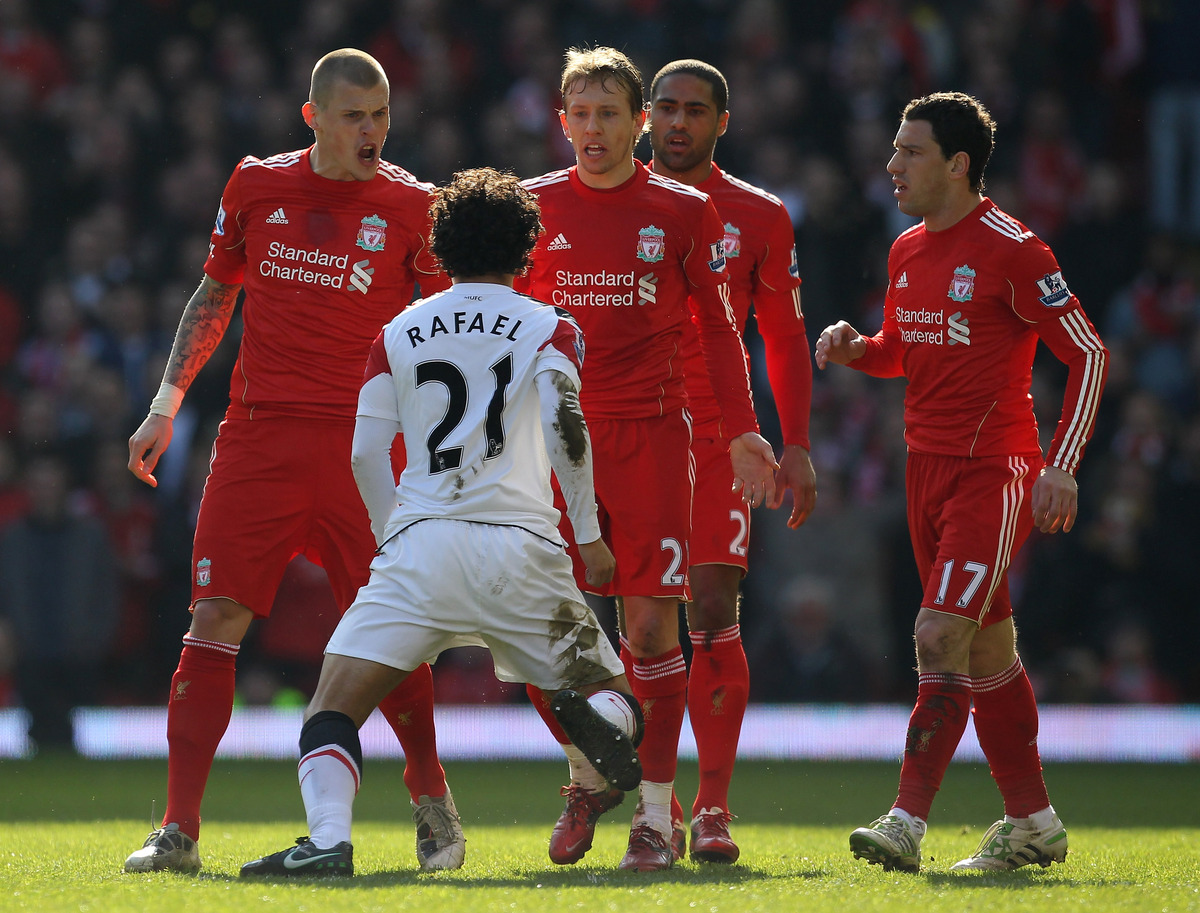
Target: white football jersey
[{"x": 456, "y": 371}]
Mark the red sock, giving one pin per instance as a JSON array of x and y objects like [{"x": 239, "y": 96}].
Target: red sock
[
  {"x": 198, "y": 712},
  {"x": 1006, "y": 722},
  {"x": 935, "y": 728},
  {"x": 408, "y": 709},
  {"x": 542, "y": 706},
  {"x": 717, "y": 692},
  {"x": 660, "y": 685}
]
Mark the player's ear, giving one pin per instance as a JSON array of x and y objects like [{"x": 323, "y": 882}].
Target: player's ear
[
  {"x": 562, "y": 120},
  {"x": 722, "y": 123},
  {"x": 960, "y": 164},
  {"x": 309, "y": 110}
]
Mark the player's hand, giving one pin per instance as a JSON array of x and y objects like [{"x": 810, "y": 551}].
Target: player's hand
[
  {"x": 796, "y": 472},
  {"x": 1055, "y": 500},
  {"x": 148, "y": 444},
  {"x": 599, "y": 561},
  {"x": 754, "y": 468},
  {"x": 840, "y": 344}
]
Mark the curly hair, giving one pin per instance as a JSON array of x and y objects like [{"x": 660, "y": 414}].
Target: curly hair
[{"x": 484, "y": 223}]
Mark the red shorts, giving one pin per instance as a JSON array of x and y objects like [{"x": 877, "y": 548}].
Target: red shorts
[
  {"x": 967, "y": 519},
  {"x": 277, "y": 488},
  {"x": 720, "y": 518},
  {"x": 643, "y": 478}
]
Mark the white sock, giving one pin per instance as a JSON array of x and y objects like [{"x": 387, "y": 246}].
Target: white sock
[
  {"x": 654, "y": 807},
  {"x": 1038, "y": 821},
  {"x": 329, "y": 780},
  {"x": 582, "y": 771},
  {"x": 917, "y": 824}
]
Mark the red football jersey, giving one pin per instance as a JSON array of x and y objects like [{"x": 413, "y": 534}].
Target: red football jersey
[
  {"x": 624, "y": 262},
  {"x": 760, "y": 254},
  {"x": 965, "y": 309},
  {"x": 324, "y": 265}
]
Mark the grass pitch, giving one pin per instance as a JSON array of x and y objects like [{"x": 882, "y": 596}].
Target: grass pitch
[{"x": 66, "y": 826}]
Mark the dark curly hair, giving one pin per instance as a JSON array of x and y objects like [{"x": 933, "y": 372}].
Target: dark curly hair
[{"x": 484, "y": 223}]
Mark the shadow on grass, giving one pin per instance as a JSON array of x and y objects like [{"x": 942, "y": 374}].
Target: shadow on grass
[
  {"x": 1019, "y": 880},
  {"x": 553, "y": 879}
]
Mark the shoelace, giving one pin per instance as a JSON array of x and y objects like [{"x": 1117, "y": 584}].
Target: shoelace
[
  {"x": 895, "y": 829},
  {"x": 643, "y": 835},
  {"x": 443, "y": 827},
  {"x": 578, "y": 805}
]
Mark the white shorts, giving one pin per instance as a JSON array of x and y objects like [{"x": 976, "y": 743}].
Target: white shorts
[{"x": 449, "y": 583}]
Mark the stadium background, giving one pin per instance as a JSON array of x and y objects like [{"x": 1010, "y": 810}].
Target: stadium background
[{"x": 122, "y": 119}]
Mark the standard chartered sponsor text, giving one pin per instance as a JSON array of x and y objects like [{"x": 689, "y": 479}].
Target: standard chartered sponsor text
[
  {"x": 314, "y": 257},
  {"x": 935, "y": 338},
  {"x": 904, "y": 315},
  {"x": 565, "y": 295}
]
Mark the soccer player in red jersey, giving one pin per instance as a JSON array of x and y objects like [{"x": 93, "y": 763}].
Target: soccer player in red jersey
[
  {"x": 328, "y": 243},
  {"x": 623, "y": 251},
  {"x": 970, "y": 292},
  {"x": 688, "y": 111}
]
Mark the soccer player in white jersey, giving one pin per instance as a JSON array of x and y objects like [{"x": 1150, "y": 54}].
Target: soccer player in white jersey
[{"x": 484, "y": 384}]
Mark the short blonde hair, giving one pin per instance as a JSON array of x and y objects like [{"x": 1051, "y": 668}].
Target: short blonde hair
[{"x": 354, "y": 66}]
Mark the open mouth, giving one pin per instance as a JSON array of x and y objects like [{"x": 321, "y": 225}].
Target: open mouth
[
  {"x": 368, "y": 154},
  {"x": 594, "y": 150}
]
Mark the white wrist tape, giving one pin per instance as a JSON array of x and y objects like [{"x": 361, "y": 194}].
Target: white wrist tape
[{"x": 167, "y": 401}]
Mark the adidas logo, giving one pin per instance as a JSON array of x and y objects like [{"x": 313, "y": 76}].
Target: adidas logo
[
  {"x": 902, "y": 282},
  {"x": 277, "y": 217},
  {"x": 559, "y": 243}
]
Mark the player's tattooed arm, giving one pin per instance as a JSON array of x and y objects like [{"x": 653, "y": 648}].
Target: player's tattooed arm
[{"x": 205, "y": 319}]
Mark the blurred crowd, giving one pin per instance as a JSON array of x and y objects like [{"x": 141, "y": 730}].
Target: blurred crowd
[{"x": 123, "y": 118}]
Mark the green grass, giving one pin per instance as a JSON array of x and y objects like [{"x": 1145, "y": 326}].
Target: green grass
[{"x": 66, "y": 825}]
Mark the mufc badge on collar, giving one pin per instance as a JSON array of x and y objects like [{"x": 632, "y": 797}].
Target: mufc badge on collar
[
  {"x": 962, "y": 286},
  {"x": 372, "y": 233},
  {"x": 651, "y": 244}
]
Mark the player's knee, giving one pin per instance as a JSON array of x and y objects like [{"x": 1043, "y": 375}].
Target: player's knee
[
  {"x": 711, "y": 612},
  {"x": 221, "y": 620},
  {"x": 943, "y": 642}
]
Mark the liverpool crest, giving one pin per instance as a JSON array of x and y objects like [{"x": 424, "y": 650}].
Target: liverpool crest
[
  {"x": 733, "y": 241},
  {"x": 203, "y": 572},
  {"x": 372, "y": 233},
  {"x": 651, "y": 244},
  {"x": 962, "y": 286}
]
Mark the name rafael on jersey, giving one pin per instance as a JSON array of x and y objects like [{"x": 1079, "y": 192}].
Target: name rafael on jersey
[{"x": 437, "y": 327}]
